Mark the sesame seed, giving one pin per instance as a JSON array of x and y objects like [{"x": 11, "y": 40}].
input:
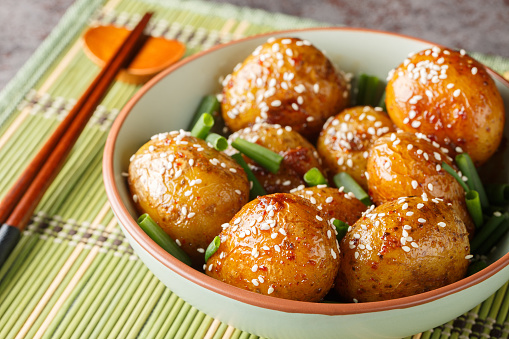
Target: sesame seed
[
  {"x": 329, "y": 200},
  {"x": 282, "y": 231},
  {"x": 255, "y": 282},
  {"x": 409, "y": 214},
  {"x": 190, "y": 215},
  {"x": 270, "y": 290},
  {"x": 319, "y": 218},
  {"x": 430, "y": 187},
  {"x": 469, "y": 256},
  {"x": 497, "y": 214},
  {"x": 277, "y": 248},
  {"x": 474, "y": 70},
  {"x": 254, "y": 268},
  {"x": 441, "y": 224},
  {"x": 405, "y": 248},
  {"x": 414, "y": 244},
  {"x": 415, "y": 124},
  {"x": 456, "y": 93},
  {"x": 421, "y": 220},
  {"x": 276, "y": 103},
  {"x": 405, "y": 206},
  {"x": 201, "y": 250},
  {"x": 135, "y": 198},
  {"x": 273, "y": 235},
  {"x": 420, "y": 205},
  {"x": 333, "y": 253}
]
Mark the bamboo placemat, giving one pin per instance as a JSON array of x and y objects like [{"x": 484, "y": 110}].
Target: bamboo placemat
[{"x": 73, "y": 274}]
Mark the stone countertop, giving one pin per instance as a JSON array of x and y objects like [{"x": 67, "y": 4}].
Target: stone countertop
[{"x": 474, "y": 25}]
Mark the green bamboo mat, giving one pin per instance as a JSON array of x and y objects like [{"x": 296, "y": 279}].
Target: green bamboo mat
[{"x": 73, "y": 274}]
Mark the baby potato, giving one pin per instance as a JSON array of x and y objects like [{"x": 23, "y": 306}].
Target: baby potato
[
  {"x": 333, "y": 203},
  {"x": 449, "y": 97},
  {"x": 401, "y": 248},
  {"x": 299, "y": 156},
  {"x": 278, "y": 245},
  {"x": 188, "y": 188},
  {"x": 406, "y": 164},
  {"x": 345, "y": 140},
  {"x": 285, "y": 81}
]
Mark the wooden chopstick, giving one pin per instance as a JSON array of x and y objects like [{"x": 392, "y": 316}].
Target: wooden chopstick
[{"x": 21, "y": 200}]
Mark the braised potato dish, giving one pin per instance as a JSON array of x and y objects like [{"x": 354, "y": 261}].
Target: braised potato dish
[
  {"x": 299, "y": 156},
  {"x": 345, "y": 140},
  {"x": 278, "y": 245},
  {"x": 449, "y": 97},
  {"x": 285, "y": 81},
  {"x": 411, "y": 245},
  {"x": 188, "y": 188},
  {"x": 260, "y": 212}
]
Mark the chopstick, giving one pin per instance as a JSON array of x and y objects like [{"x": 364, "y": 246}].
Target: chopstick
[{"x": 19, "y": 203}]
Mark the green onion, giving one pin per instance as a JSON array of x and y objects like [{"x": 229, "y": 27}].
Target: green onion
[
  {"x": 498, "y": 194},
  {"x": 362, "y": 84},
  {"x": 476, "y": 267},
  {"x": 370, "y": 96},
  {"x": 341, "y": 228},
  {"x": 257, "y": 188},
  {"x": 343, "y": 179},
  {"x": 488, "y": 228},
  {"x": 474, "y": 207},
  {"x": 466, "y": 166},
  {"x": 494, "y": 238},
  {"x": 261, "y": 155},
  {"x": 314, "y": 177},
  {"x": 452, "y": 172},
  {"x": 202, "y": 126},
  {"x": 156, "y": 233},
  {"x": 381, "y": 103},
  {"x": 218, "y": 141},
  {"x": 212, "y": 248},
  {"x": 209, "y": 104}
]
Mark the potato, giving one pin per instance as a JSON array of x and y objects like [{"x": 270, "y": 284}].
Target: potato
[
  {"x": 299, "y": 156},
  {"x": 188, "y": 188},
  {"x": 345, "y": 140},
  {"x": 285, "y": 81},
  {"x": 449, "y": 97},
  {"x": 401, "y": 248},
  {"x": 333, "y": 203},
  {"x": 406, "y": 164},
  {"x": 278, "y": 245}
]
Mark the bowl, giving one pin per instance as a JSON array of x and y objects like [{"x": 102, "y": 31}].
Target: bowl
[{"x": 167, "y": 103}]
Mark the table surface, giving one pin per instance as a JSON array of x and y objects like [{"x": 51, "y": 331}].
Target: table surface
[{"x": 473, "y": 25}]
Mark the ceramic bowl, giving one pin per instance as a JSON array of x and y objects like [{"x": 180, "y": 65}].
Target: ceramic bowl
[{"x": 167, "y": 103}]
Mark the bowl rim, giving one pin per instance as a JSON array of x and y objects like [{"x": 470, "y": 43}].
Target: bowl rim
[{"x": 241, "y": 295}]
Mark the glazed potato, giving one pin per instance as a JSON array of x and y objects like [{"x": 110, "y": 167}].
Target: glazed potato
[
  {"x": 333, "y": 203},
  {"x": 406, "y": 164},
  {"x": 345, "y": 140},
  {"x": 278, "y": 245},
  {"x": 299, "y": 156},
  {"x": 188, "y": 188},
  {"x": 285, "y": 81},
  {"x": 401, "y": 248},
  {"x": 449, "y": 97}
]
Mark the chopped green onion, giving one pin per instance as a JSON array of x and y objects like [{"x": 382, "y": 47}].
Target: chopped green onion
[
  {"x": 212, "y": 248},
  {"x": 498, "y": 194},
  {"x": 474, "y": 207},
  {"x": 156, "y": 233},
  {"x": 362, "y": 84},
  {"x": 494, "y": 238},
  {"x": 261, "y": 155},
  {"x": 476, "y": 267},
  {"x": 452, "y": 172},
  {"x": 343, "y": 179},
  {"x": 488, "y": 228},
  {"x": 466, "y": 166},
  {"x": 314, "y": 177},
  {"x": 209, "y": 104},
  {"x": 381, "y": 103},
  {"x": 370, "y": 96},
  {"x": 257, "y": 188},
  {"x": 202, "y": 126},
  {"x": 341, "y": 228},
  {"x": 218, "y": 141}
]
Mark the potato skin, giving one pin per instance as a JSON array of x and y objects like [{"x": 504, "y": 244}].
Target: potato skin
[
  {"x": 333, "y": 203},
  {"x": 299, "y": 156},
  {"x": 278, "y": 245},
  {"x": 191, "y": 196},
  {"x": 406, "y": 164},
  {"x": 345, "y": 140},
  {"x": 391, "y": 253},
  {"x": 285, "y": 81},
  {"x": 459, "y": 106}
]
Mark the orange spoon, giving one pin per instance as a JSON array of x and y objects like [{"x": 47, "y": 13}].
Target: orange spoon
[{"x": 156, "y": 55}]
